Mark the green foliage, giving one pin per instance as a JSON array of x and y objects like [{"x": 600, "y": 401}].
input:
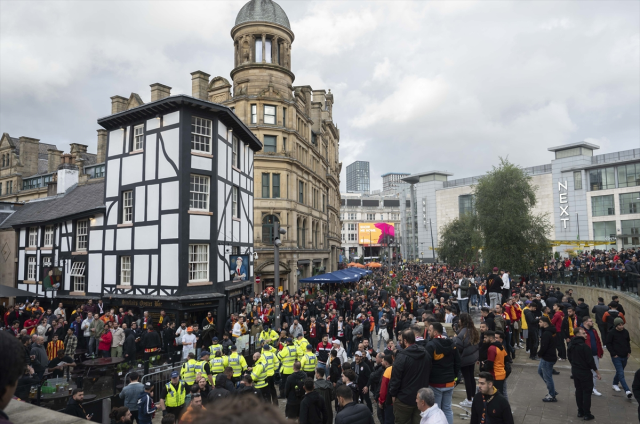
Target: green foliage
[
  {"x": 361, "y": 259},
  {"x": 460, "y": 241},
  {"x": 514, "y": 238}
]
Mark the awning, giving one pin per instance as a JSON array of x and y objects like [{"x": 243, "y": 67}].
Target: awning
[
  {"x": 332, "y": 277},
  {"x": 7, "y": 291},
  {"x": 304, "y": 262},
  {"x": 239, "y": 285},
  {"x": 317, "y": 261}
]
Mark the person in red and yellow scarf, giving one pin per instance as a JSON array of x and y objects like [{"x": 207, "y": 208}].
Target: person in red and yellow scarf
[
  {"x": 569, "y": 324},
  {"x": 54, "y": 346}
]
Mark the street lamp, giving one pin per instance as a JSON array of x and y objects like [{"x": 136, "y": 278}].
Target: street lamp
[{"x": 277, "y": 231}]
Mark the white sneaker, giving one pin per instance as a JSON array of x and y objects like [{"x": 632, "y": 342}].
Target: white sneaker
[
  {"x": 527, "y": 351},
  {"x": 629, "y": 394},
  {"x": 597, "y": 393},
  {"x": 616, "y": 388},
  {"x": 466, "y": 403}
]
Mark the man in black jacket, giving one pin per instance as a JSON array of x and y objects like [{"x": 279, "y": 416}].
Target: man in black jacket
[
  {"x": 74, "y": 405},
  {"x": 619, "y": 346},
  {"x": 599, "y": 310},
  {"x": 582, "y": 363},
  {"x": 489, "y": 406},
  {"x": 411, "y": 371},
  {"x": 489, "y": 318},
  {"x": 582, "y": 309},
  {"x": 548, "y": 356},
  {"x": 312, "y": 410},
  {"x": 363, "y": 372},
  {"x": 375, "y": 381},
  {"x": 293, "y": 390},
  {"x": 445, "y": 365},
  {"x": 352, "y": 412},
  {"x": 532, "y": 329}
]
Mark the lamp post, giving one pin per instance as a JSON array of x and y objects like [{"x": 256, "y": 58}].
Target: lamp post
[
  {"x": 277, "y": 231},
  {"x": 433, "y": 249}
]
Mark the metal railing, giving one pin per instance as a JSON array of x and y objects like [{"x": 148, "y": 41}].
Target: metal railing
[
  {"x": 159, "y": 378},
  {"x": 606, "y": 279},
  {"x": 616, "y": 157}
]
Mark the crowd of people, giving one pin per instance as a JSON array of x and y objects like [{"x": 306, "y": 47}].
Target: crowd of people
[{"x": 392, "y": 346}]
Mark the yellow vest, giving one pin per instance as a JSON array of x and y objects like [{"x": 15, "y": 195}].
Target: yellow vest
[
  {"x": 309, "y": 362},
  {"x": 301, "y": 347},
  {"x": 217, "y": 365},
  {"x": 288, "y": 356},
  {"x": 175, "y": 398},
  {"x": 237, "y": 363},
  {"x": 214, "y": 348},
  {"x": 259, "y": 375},
  {"x": 271, "y": 362},
  {"x": 200, "y": 367},
  {"x": 188, "y": 372}
]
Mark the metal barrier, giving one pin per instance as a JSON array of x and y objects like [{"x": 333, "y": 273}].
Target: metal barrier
[
  {"x": 143, "y": 367},
  {"x": 160, "y": 378},
  {"x": 606, "y": 279}
]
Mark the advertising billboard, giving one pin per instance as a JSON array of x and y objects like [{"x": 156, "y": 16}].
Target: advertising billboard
[{"x": 376, "y": 233}]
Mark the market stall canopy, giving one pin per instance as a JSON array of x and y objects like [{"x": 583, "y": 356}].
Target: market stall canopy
[
  {"x": 356, "y": 265},
  {"x": 348, "y": 276},
  {"x": 322, "y": 279},
  {"x": 374, "y": 265},
  {"x": 359, "y": 271},
  {"x": 6, "y": 291}
]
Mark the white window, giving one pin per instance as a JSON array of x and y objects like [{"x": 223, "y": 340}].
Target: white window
[
  {"x": 236, "y": 204},
  {"x": 81, "y": 234},
  {"x": 371, "y": 217},
  {"x": 200, "y": 134},
  {"x": 46, "y": 261},
  {"x": 31, "y": 269},
  {"x": 254, "y": 114},
  {"x": 125, "y": 270},
  {"x": 33, "y": 236},
  {"x": 77, "y": 276},
  {"x": 198, "y": 262},
  {"x": 352, "y": 216},
  {"x": 235, "y": 148},
  {"x": 48, "y": 235},
  {"x": 127, "y": 206},
  {"x": 199, "y": 193},
  {"x": 351, "y": 227},
  {"x": 352, "y": 237},
  {"x": 138, "y": 137},
  {"x": 269, "y": 114}
]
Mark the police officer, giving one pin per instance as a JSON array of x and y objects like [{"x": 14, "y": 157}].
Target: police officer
[
  {"x": 215, "y": 347},
  {"x": 301, "y": 345},
  {"x": 309, "y": 362},
  {"x": 259, "y": 375},
  {"x": 272, "y": 363},
  {"x": 287, "y": 356},
  {"x": 188, "y": 371},
  {"x": 267, "y": 335},
  {"x": 218, "y": 364},
  {"x": 237, "y": 363},
  {"x": 203, "y": 365},
  {"x": 172, "y": 395}
]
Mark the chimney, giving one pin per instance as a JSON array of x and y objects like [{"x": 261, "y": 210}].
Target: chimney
[
  {"x": 102, "y": 146},
  {"x": 54, "y": 160},
  {"x": 118, "y": 104},
  {"x": 67, "y": 173},
  {"x": 78, "y": 148},
  {"x": 159, "y": 91},
  {"x": 199, "y": 85},
  {"x": 52, "y": 187}
]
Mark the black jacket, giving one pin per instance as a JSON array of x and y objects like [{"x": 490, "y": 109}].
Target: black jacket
[
  {"x": 548, "y": 345},
  {"x": 290, "y": 386},
  {"x": 599, "y": 311},
  {"x": 411, "y": 371},
  {"x": 312, "y": 409},
  {"x": 490, "y": 321},
  {"x": 498, "y": 409},
  {"x": 335, "y": 370},
  {"x": 75, "y": 409},
  {"x": 217, "y": 393},
  {"x": 582, "y": 310},
  {"x": 564, "y": 326},
  {"x": 375, "y": 380},
  {"x": 532, "y": 322},
  {"x": 635, "y": 386},
  {"x": 355, "y": 413},
  {"x": 150, "y": 340},
  {"x": 580, "y": 357},
  {"x": 445, "y": 361},
  {"x": 325, "y": 389},
  {"x": 129, "y": 346},
  {"x": 618, "y": 343},
  {"x": 363, "y": 372}
]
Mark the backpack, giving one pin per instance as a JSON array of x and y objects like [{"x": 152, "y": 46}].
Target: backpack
[
  {"x": 299, "y": 389},
  {"x": 612, "y": 316}
]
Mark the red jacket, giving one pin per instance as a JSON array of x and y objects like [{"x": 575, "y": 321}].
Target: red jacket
[
  {"x": 557, "y": 320},
  {"x": 105, "y": 341},
  {"x": 598, "y": 342}
]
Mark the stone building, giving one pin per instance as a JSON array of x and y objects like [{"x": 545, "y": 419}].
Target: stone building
[{"x": 298, "y": 171}]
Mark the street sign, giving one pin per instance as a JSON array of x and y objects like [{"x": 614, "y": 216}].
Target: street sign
[{"x": 257, "y": 279}]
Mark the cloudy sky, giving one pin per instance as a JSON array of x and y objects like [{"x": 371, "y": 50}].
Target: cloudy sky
[{"x": 418, "y": 85}]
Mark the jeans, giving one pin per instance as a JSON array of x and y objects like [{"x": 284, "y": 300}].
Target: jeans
[
  {"x": 324, "y": 367},
  {"x": 483, "y": 300},
  {"x": 544, "y": 370},
  {"x": 474, "y": 300},
  {"x": 494, "y": 299},
  {"x": 595, "y": 376},
  {"x": 620, "y": 364},
  {"x": 464, "y": 305},
  {"x": 443, "y": 397},
  {"x": 93, "y": 346}
]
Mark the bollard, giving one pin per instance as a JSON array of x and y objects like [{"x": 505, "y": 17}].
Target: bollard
[{"x": 106, "y": 410}]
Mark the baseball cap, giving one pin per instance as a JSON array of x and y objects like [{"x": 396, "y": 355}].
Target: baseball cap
[
  {"x": 527, "y": 302},
  {"x": 358, "y": 353},
  {"x": 215, "y": 339},
  {"x": 495, "y": 268},
  {"x": 175, "y": 374},
  {"x": 190, "y": 329},
  {"x": 147, "y": 385},
  {"x": 204, "y": 353},
  {"x": 289, "y": 339}
]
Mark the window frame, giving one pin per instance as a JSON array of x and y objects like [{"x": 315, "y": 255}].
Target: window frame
[
  {"x": 138, "y": 138},
  {"x": 206, "y": 195},
  {"x": 623, "y": 180},
  {"x": 630, "y": 206},
  {"x": 301, "y": 192},
  {"x": 201, "y": 134},
  {"x": 235, "y": 201},
  {"x": 235, "y": 152},
  {"x": 270, "y": 148},
  {"x": 253, "y": 113},
  {"x": 273, "y": 118},
  {"x": 32, "y": 268},
  {"x": 266, "y": 178},
  {"x": 601, "y": 207},
  {"x": 127, "y": 207},
  {"x": 82, "y": 238},
  {"x": 275, "y": 187},
  {"x": 195, "y": 253},
  {"x": 77, "y": 275},
  {"x": 33, "y": 237},
  {"x": 48, "y": 235},
  {"x": 577, "y": 180},
  {"x": 125, "y": 271}
]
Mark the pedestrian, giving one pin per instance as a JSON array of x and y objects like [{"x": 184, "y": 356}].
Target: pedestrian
[
  {"x": 582, "y": 366},
  {"x": 74, "y": 405},
  {"x": 131, "y": 393},
  {"x": 594, "y": 343},
  {"x": 294, "y": 391},
  {"x": 312, "y": 407},
  {"x": 556, "y": 321},
  {"x": 619, "y": 346},
  {"x": 445, "y": 365},
  {"x": 12, "y": 367},
  {"x": 430, "y": 413},
  {"x": 173, "y": 396},
  {"x": 411, "y": 370},
  {"x": 489, "y": 406},
  {"x": 532, "y": 328},
  {"x": 146, "y": 407},
  {"x": 635, "y": 386},
  {"x": 548, "y": 357},
  {"x": 467, "y": 342},
  {"x": 325, "y": 389},
  {"x": 352, "y": 412}
]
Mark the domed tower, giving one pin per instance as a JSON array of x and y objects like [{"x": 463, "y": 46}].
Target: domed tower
[{"x": 262, "y": 40}]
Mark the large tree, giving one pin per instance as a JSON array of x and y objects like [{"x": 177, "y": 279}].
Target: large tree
[
  {"x": 460, "y": 241},
  {"x": 514, "y": 238}
]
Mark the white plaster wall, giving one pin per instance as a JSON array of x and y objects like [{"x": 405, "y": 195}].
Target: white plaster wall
[
  {"x": 169, "y": 265},
  {"x": 222, "y": 130},
  {"x": 199, "y": 227},
  {"x": 141, "y": 270},
  {"x": 21, "y": 263},
  {"x": 199, "y": 162},
  {"x": 23, "y": 236},
  {"x": 112, "y": 219},
  {"x": 132, "y": 169},
  {"x": 169, "y": 226},
  {"x": 171, "y": 118},
  {"x": 95, "y": 240},
  {"x": 154, "y": 270},
  {"x": 123, "y": 239},
  {"x": 153, "y": 202},
  {"x": 113, "y": 178},
  {"x": 172, "y": 149},
  {"x": 170, "y": 195},
  {"x": 146, "y": 237},
  {"x": 108, "y": 239},
  {"x": 94, "y": 273},
  {"x": 110, "y": 266},
  {"x": 151, "y": 151},
  {"x": 115, "y": 142},
  {"x": 153, "y": 124},
  {"x": 140, "y": 204},
  {"x": 222, "y": 159}
]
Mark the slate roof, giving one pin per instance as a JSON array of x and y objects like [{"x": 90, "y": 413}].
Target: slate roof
[
  {"x": 43, "y": 166},
  {"x": 263, "y": 11},
  {"x": 42, "y": 150},
  {"x": 89, "y": 158},
  {"x": 84, "y": 198},
  {"x": 4, "y": 215}
]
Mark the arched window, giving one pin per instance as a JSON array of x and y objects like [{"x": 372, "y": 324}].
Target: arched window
[{"x": 268, "y": 227}]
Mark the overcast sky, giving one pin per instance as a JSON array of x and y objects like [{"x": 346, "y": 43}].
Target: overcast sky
[{"x": 418, "y": 85}]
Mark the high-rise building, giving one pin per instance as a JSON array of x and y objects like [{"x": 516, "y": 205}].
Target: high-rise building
[
  {"x": 358, "y": 180},
  {"x": 392, "y": 182}
]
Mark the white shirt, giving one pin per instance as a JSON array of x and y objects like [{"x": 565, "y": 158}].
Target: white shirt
[
  {"x": 433, "y": 415},
  {"x": 190, "y": 340},
  {"x": 505, "y": 281}
]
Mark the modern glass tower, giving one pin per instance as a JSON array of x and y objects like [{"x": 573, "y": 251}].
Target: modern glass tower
[{"x": 358, "y": 177}]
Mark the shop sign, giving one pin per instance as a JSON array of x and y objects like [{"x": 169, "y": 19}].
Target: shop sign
[
  {"x": 235, "y": 293},
  {"x": 142, "y": 303},
  {"x": 564, "y": 207}
]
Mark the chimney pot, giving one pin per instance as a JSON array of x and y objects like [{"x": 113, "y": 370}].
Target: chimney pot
[
  {"x": 200, "y": 85},
  {"x": 159, "y": 91}
]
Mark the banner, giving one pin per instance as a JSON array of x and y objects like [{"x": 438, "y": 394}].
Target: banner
[{"x": 376, "y": 233}]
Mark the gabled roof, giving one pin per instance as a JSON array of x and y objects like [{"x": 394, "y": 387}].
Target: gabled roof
[{"x": 78, "y": 201}]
